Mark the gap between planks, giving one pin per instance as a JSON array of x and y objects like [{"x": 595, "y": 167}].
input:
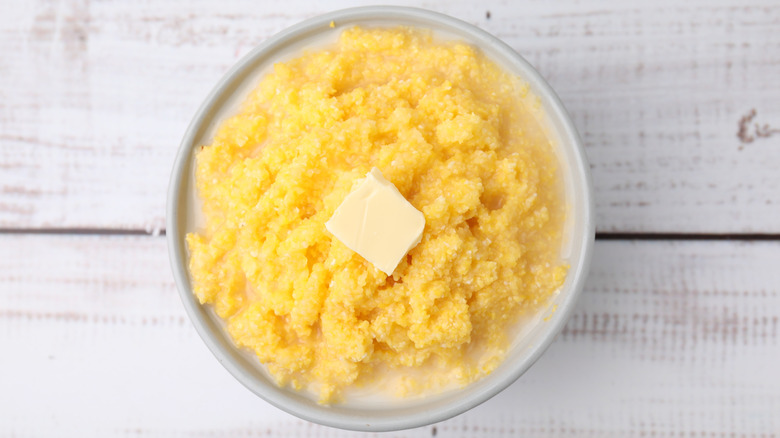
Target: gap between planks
[{"x": 599, "y": 236}]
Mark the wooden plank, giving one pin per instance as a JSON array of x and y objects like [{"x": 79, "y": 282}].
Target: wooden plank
[
  {"x": 96, "y": 95},
  {"x": 668, "y": 340}
]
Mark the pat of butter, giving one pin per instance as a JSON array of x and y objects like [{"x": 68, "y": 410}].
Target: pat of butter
[{"x": 377, "y": 222}]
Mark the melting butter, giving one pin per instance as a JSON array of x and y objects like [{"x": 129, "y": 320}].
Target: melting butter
[{"x": 377, "y": 222}]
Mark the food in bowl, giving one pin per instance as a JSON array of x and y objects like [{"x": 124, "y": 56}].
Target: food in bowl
[{"x": 459, "y": 138}]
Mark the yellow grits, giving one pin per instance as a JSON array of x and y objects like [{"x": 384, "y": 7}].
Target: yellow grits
[{"x": 457, "y": 136}]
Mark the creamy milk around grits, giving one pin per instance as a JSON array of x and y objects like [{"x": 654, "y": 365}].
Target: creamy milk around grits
[{"x": 460, "y": 139}]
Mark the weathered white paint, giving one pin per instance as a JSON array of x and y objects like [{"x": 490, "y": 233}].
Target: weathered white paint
[
  {"x": 95, "y": 96},
  {"x": 669, "y": 339}
]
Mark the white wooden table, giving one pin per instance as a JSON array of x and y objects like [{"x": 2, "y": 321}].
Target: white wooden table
[{"x": 676, "y": 334}]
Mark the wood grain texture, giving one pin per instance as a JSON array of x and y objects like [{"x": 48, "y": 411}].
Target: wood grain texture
[
  {"x": 96, "y": 95},
  {"x": 668, "y": 340}
]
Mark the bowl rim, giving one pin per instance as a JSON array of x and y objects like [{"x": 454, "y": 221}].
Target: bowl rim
[{"x": 178, "y": 253}]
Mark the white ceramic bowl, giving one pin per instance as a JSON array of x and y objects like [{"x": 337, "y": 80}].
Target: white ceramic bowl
[{"x": 183, "y": 208}]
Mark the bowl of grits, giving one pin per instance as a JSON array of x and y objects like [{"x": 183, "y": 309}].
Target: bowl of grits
[{"x": 457, "y": 132}]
